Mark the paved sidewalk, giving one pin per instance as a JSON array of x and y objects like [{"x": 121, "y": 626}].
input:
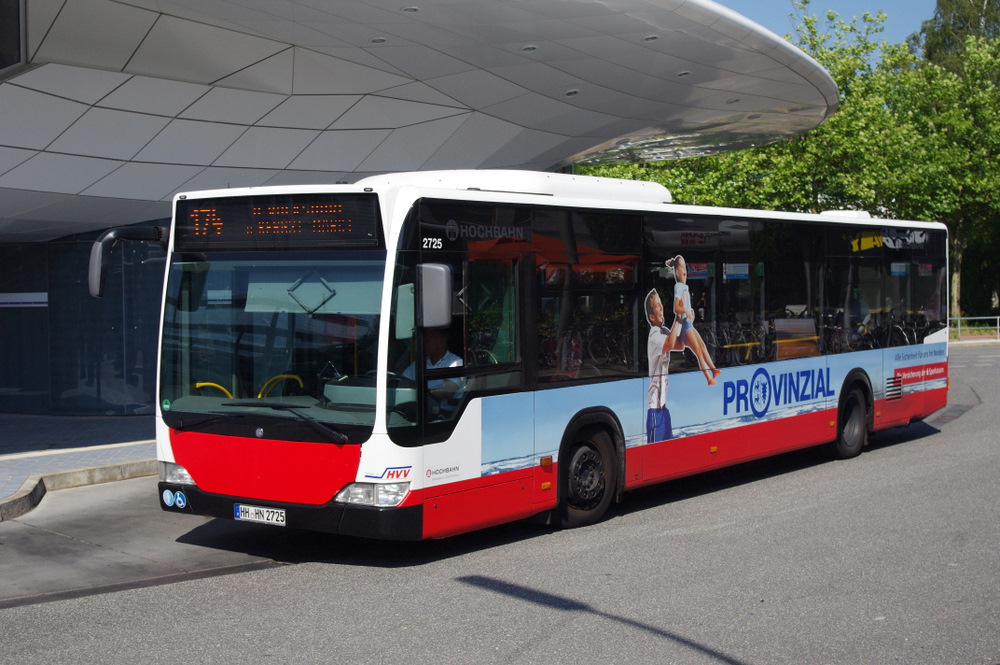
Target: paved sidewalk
[{"x": 44, "y": 453}]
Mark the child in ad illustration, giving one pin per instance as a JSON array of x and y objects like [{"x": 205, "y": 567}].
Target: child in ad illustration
[{"x": 683, "y": 327}]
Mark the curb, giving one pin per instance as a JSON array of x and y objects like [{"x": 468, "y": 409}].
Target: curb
[{"x": 34, "y": 488}]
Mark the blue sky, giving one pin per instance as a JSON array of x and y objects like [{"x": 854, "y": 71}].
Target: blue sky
[{"x": 903, "y": 16}]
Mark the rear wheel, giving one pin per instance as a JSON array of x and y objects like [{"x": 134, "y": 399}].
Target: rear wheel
[
  {"x": 588, "y": 479},
  {"x": 852, "y": 426}
]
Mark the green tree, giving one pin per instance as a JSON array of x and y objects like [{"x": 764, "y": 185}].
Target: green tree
[{"x": 942, "y": 37}]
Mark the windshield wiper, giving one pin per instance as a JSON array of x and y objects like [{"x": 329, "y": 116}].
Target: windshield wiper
[
  {"x": 333, "y": 435},
  {"x": 187, "y": 423}
]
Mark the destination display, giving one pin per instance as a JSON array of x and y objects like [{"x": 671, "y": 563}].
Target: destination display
[{"x": 299, "y": 221}]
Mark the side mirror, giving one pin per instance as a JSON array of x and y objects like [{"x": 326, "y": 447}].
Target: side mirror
[
  {"x": 434, "y": 295},
  {"x": 99, "y": 252}
]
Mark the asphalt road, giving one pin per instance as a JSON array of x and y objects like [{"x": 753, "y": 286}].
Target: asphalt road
[{"x": 893, "y": 557}]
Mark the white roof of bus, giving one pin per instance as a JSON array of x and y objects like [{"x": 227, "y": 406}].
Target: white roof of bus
[{"x": 509, "y": 186}]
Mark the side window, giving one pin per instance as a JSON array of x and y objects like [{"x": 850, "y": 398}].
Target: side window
[
  {"x": 792, "y": 258},
  {"x": 916, "y": 288},
  {"x": 853, "y": 298},
  {"x": 489, "y": 301},
  {"x": 586, "y": 281},
  {"x": 490, "y": 324}
]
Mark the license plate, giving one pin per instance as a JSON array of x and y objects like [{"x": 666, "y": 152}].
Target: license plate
[{"x": 275, "y": 516}]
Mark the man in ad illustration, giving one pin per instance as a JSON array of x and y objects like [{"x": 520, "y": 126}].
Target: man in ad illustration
[{"x": 662, "y": 341}]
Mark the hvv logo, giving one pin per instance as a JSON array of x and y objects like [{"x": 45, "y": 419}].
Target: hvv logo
[
  {"x": 762, "y": 391},
  {"x": 392, "y": 473}
]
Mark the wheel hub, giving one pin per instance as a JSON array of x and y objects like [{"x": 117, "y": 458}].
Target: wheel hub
[{"x": 586, "y": 477}]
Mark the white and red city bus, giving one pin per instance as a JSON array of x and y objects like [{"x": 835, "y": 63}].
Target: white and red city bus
[{"x": 420, "y": 355}]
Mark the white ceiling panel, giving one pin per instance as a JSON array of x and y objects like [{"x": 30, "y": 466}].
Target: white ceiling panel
[
  {"x": 209, "y": 12},
  {"x": 145, "y": 182},
  {"x": 375, "y": 112},
  {"x": 489, "y": 13},
  {"x": 289, "y": 177},
  {"x": 267, "y": 148},
  {"x": 408, "y": 148},
  {"x": 65, "y": 174},
  {"x": 232, "y": 106},
  {"x": 80, "y": 84},
  {"x": 318, "y": 74},
  {"x": 274, "y": 74},
  {"x": 621, "y": 26},
  {"x": 536, "y": 76},
  {"x": 550, "y": 30},
  {"x": 479, "y": 135},
  {"x": 109, "y": 133},
  {"x": 11, "y": 157},
  {"x": 531, "y": 112},
  {"x": 189, "y": 51},
  {"x": 43, "y": 14},
  {"x": 362, "y": 56},
  {"x": 488, "y": 33},
  {"x": 363, "y": 13},
  {"x": 613, "y": 77},
  {"x": 224, "y": 178},
  {"x": 283, "y": 30},
  {"x": 18, "y": 202},
  {"x": 33, "y": 119},
  {"x": 477, "y": 88},
  {"x": 25, "y": 230},
  {"x": 525, "y": 147},
  {"x": 422, "y": 62},
  {"x": 339, "y": 151},
  {"x": 191, "y": 142},
  {"x": 142, "y": 94},
  {"x": 349, "y": 37},
  {"x": 309, "y": 111},
  {"x": 95, "y": 33},
  {"x": 420, "y": 92},
  {"x": 95, "y": 213}
]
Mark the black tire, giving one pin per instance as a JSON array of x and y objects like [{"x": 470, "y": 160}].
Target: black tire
[
  {"x": 588, "y": 478},
  {"x": 852, "y": 425}
]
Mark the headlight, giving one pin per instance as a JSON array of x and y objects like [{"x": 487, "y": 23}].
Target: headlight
[
  {"x": 386, "y": 495},
  {"x": 175, "y": 473}
]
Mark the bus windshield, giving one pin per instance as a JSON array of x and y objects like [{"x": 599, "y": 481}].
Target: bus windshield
[{"x": 286, "y": 336}]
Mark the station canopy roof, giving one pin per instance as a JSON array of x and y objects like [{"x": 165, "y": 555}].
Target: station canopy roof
[{"x": 122, "y": 103}]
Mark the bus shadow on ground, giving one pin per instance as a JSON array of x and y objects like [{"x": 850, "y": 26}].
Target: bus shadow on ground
[
  {"x": 294, "y": 546},
  {"x": 758, "y": 470}
]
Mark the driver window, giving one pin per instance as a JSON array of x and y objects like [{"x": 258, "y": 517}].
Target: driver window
[
  {"x": 427, "y": 385},
  {"x": 476, "y": 355}
]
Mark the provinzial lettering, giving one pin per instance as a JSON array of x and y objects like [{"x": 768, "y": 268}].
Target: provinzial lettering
[{"x": 763, "y": 390}]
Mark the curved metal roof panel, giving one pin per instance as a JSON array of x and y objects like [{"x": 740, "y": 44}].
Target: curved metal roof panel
[{"x": 219, "y": 93}]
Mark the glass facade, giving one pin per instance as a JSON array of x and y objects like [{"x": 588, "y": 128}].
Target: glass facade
[
  {"x": 11, "y": 33},
  {"x": 68, "y": 353}
]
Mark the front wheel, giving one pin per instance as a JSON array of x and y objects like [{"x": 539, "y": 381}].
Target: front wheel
[
  {"x": 852, "y": 426},
  {"x": 588, "y": 479}
]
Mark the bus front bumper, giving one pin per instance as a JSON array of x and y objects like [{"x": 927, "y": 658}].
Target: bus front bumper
[{"x": 405, "y": 523}]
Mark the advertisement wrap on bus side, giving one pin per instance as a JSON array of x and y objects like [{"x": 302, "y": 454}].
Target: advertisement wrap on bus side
[{"x": 796, "y": 387}]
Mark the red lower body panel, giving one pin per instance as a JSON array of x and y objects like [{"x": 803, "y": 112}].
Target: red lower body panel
[
  {"x": 286, "y": 471},
  {"x": 689, "y": 455}
]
